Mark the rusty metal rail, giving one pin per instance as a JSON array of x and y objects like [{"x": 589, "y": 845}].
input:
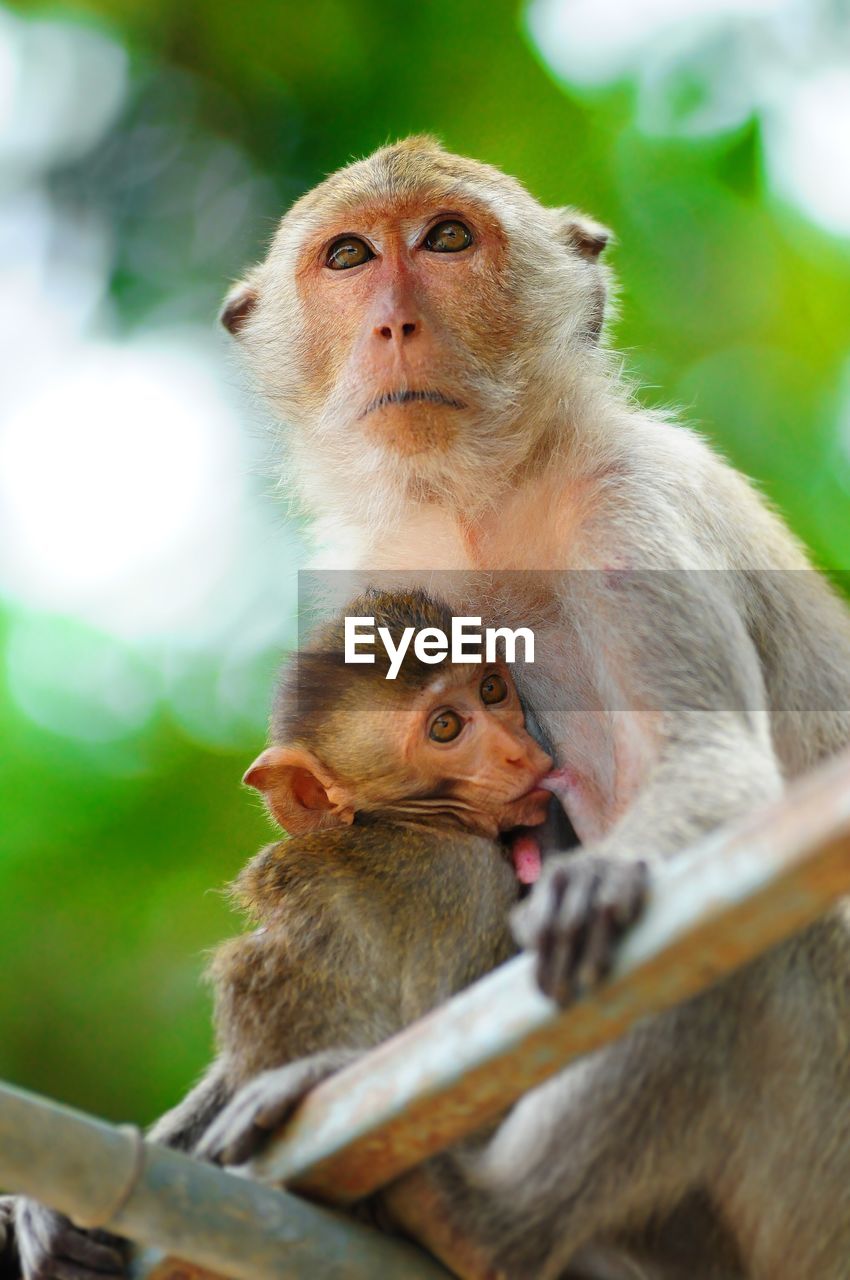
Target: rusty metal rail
[{"x": 712, "y": 910}]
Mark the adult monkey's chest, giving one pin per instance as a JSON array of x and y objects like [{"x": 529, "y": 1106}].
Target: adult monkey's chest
[{"x": 602, "y": 750}]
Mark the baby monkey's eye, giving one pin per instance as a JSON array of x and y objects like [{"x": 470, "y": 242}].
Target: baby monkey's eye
[
  {"x": 448, "y": 237},
  {"x": 348, "y": 251},
  {"x": 445, "y": 727},
  {"x": 493, "y": 689}
]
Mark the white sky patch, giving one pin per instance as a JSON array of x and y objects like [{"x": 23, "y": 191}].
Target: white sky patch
[
  {"x": 120, "y": 484},
  {"x": 595, "y": 41},
  {"x": 139, "y": 564},
  {"x": 706, "y": 66},
  {"x": 126, "y": 504},
  {"x": 61, "y": 86},
  {"x": 808, "y": 144}
]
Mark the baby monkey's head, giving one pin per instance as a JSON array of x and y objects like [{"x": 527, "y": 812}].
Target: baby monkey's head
[{"x": 438, "y": 745}]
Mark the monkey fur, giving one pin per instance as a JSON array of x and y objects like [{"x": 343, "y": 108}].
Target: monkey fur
[
  {"x": 431, "y": 337},
  {"x": 367, "y": 917}
]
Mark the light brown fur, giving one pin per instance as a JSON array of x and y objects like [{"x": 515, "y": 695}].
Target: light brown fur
[
  {"x": 390, "y": 895},
  {"x": 689, "y": 662}
]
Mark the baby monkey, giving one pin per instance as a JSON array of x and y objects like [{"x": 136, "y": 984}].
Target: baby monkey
[
  {"x": 390, "y": 894},
  {"x": 393, "y": 890}
]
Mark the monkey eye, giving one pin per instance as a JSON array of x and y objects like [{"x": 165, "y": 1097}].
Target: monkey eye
[
  {"x": 448, "y": 237},
  {"x": 348, "y": 251},
  {"x": 493, "y": 689},
  {"x": 445, "y": 727}
]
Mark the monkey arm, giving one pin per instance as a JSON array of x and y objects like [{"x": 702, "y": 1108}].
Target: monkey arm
[
  {"x": 265, "y": 1103},
  {"x": 183, "y": 1125},
  {"x": 678, "y": 743},
  {"x": 682, "y": 701}
]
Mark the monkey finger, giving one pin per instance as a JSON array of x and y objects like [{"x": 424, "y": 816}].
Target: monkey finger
[
  {"x": 271, "y": 1099},
  {"x": 234, "y": 1140},
  {"x": 529, "y": 920},
  {"x": 625, "y": 892},
  {"x": 564, "y": 936},
  {"x": 599, "y": 951},
  {"x": 276, "y": 1111},
  {"x": 549, "y": 940},
  {"x": 79, "y": 1246},
  {"x": 212, "y": 1145},
  {"x": 207, "y": 1149},
  {"x": 243, "y": 1127},
  {"x": 555, "y": 968},
  {"x": 224, "y": 1146},
  {"x": 550, "y": 972},
  {"x": 577, "y": 915},
  {"x": 243, "y": 1146},
  {"x": 640, "y": 890}
]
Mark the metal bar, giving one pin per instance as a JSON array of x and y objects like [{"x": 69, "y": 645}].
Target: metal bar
[
  {"x": 98, "y": 1174},
  {"x": 712, "y": 909}
]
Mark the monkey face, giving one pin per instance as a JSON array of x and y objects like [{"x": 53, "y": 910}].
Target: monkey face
[
  {"x": 468, "y": 744},
  {"x": 408, "y": 301},
  {"x": 406, "y": 307},
  {"x": 457, "y": 749}
]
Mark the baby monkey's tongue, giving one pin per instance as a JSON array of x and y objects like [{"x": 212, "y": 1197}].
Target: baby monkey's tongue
[
  {"x": 525, "y": 852},
  {"x": 525, "y": 848}
]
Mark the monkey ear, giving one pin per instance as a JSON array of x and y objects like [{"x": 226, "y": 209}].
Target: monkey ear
[
  {"x": 586, "y": 236},
  {"x": 301, "y": 794},
  {"x": 238, "y": 306}
]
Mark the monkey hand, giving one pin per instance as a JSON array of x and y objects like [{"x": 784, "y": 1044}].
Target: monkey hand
[
  {"x": 50, "y": 1247},
  {"x": 575, "y": 916},
  {"x": 264, "y": 1104}
]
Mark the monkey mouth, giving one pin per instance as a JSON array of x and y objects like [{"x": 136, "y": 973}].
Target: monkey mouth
[
  {"x": 538, "y": 789},
  {"x": 411, "y": 397}
]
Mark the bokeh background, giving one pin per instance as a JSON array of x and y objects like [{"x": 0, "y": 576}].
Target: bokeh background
[{"x": 147, "y": 558}]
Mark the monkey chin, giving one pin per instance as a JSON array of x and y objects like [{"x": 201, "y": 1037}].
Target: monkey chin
[{"x": 413, "y": 428}]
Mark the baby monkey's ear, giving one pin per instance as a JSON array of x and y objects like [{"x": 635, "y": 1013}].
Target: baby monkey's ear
[
  {"x": 301, "y": 794},
  {"x": 577, "y": 231}
]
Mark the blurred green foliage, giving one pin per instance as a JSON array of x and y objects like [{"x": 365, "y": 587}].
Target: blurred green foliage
[{"x": 731, "y": 305}]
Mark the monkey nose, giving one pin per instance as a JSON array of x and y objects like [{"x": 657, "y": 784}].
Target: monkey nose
[
  {"x": 539, "y": 761},
  {"x": 396, "y": 331}
]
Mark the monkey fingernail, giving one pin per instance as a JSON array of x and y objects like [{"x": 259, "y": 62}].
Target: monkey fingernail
[{"x": 597, "y": 961}]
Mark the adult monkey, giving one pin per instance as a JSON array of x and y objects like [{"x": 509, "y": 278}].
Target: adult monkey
[{"x": 431, "y": 334}]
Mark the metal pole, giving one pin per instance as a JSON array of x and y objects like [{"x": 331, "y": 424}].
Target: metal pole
[{"x": 101, "y": 1175}]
